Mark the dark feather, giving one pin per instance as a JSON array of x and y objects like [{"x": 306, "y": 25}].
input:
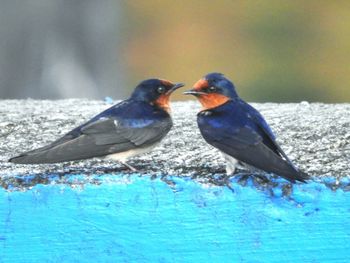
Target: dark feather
[
  {"x": 261, "y": 157},
  {"x": 241, "y": 133},
  {"x": 125, "y": 126},
  {"x": 265, "y": 131}
]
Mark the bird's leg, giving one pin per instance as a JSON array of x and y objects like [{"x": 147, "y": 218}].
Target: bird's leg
[
  {"x": 230, "y": 168},
  {"x": 129, "y": 166},
  {"x": 230, "y": 164}
]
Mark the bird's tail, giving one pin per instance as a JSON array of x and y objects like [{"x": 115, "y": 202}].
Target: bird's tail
[
  {"x": 269, "y": 161},
  {"x": 25, "y": 159},
  {"x": 34, "y": 158},
  {"x": 288, "y": 171},
  {"x": 297, "y": 175},
  {"x": 62, "y": 150},
  {"x": 56, "y": 154}
]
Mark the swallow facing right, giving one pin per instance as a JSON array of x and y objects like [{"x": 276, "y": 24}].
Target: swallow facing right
[
  {"x": 238, "y": 130},
  {"x": 131, "y": 127}
]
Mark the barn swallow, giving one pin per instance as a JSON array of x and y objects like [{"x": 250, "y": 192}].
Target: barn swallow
[
  {"x": 238, "y": 130},
  {"x": 131, "y": 127}
]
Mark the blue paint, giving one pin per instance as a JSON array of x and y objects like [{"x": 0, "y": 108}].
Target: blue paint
[{"x": 136, "y": 219}]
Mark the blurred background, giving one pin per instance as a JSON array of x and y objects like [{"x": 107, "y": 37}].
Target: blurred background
[{"x": 279, "y": 51}]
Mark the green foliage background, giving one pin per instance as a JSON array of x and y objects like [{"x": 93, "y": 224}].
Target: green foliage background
[{"x": 281, "y": 51}]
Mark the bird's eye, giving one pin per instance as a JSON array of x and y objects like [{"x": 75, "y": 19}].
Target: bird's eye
[
  {"x": 161, "y": 89},
  {"x": 211, "y": 89}
]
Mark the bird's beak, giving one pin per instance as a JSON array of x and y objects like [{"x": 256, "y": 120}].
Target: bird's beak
[
  {"x": 175, "y": 87},
  {"x": 194, "y": 92}
]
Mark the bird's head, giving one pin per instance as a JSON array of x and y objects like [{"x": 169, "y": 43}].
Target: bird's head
[
  {"x": 213, "y": 90},
  {"x": 156, "y": 92}
]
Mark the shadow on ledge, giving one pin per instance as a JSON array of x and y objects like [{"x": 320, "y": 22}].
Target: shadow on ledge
[{"x": 206, "y": 176}]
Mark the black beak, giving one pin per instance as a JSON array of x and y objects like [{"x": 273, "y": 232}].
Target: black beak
[
  {"x": 175, "y": 87},
  {"x": 193, "y": 92}
]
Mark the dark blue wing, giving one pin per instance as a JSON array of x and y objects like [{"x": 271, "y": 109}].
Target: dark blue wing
[
  {"x": 265, "y": 131},
  {"x": 214, "y": 130},
  {"x": 229, "y": 129},
  {"x": 122, "y": 127}
]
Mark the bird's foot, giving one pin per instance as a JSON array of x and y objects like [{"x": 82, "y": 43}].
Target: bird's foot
[
  {"x": 221, "y": 180},
  {"x": 133, "y": 169},
  {"x": 241, "y": 177},
  {"x": 257, "y": 179},
  {"x": 168, "y": 181}
]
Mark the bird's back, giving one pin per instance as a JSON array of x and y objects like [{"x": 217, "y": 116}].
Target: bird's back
[
  {"x": 125, "y": 126},
  {"x": 239, "y": 130}
]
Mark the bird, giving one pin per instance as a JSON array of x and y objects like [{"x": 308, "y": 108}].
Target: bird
[
  {"x": 238, "y": 130},
  {"x": 132, "y": 127}
]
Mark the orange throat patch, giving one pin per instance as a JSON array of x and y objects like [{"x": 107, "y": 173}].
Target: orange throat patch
[
  {"x": 212, "y": 100},
  {"x": 163, "y": 102}
]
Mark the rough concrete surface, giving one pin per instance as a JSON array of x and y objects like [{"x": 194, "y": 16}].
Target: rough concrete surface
[{"x": 315, "y": 136}]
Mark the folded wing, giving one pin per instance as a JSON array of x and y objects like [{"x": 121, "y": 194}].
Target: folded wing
[
  {"x": 247, "y": 145},
  {"x": 101, "y": 137},
  {"x": 265, "y": 131}
]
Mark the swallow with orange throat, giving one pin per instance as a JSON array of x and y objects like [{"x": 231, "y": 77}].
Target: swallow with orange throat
[
  {"x": 131, "y": 127},
  {"x": 238, "y": 130}
]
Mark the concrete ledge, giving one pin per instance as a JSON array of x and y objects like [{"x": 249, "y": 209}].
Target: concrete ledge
[
  {"x": 316, "y": 136},
  {"x": 179, "y": 207}
]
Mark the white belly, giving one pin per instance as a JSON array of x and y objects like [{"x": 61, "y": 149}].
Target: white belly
[
  {"x": 123, "y": 156},
  {"x": 231, "y": 163}
]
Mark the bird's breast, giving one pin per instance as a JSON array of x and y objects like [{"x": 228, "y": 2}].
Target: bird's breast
[
  {"x": 208, "y": 118},
  {"x": 163, "y": 102},
  {"x": 123, "y": 156},
  {"x": 210, "y": 101}
]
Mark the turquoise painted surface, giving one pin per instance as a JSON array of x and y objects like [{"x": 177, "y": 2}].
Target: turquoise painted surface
[{"x": 136, "y": 219}]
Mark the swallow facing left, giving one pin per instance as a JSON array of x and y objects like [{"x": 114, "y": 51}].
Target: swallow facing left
[
  {"x": 238, "y": 130},
  {"x": 131, "y": 127}
]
